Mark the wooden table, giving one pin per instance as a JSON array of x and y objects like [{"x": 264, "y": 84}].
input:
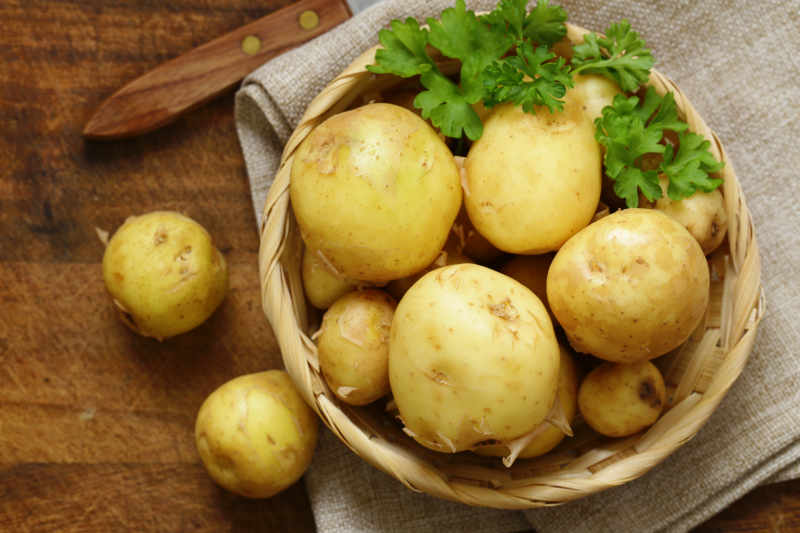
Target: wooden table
[{"x": 96, "y": 424}]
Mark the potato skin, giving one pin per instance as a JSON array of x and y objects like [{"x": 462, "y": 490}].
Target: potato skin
[
  {"x": 363, "y": 184},
  {"x": 533, "y": 180},
  {"x": 629, "y": 287},
  {"x": 353, "y": 346},
  {"x": 255, "y": 434},
  {"x": 321, "y": 286},
  {"x": 596, "y": 92},
  {"x": 618, "y": 400},
  {"x": 702, "y": 214},
  {"x": 164, "y": 273},
  {"x": 551, "y": 436},
  {"x": 472, "y": 356},
  {"x": 531, "y": 271}
]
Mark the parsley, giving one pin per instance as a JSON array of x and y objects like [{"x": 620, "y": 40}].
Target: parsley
[
  {"x": 620, "y": 55},
  {"x": 630, "y": 130}
]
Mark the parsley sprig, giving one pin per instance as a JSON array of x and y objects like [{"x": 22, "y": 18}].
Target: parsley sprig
[{"x": 630, "y": 130}]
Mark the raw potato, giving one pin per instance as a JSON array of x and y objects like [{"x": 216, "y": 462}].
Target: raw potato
[
  {"x": 618, "y": 400},
  {"x": 164, "y": 274},
  {"x": 550, "y": 435},
  {"x": 474, "y": 245},
  {"x": 703, "y": 214},
  {"x": 531, "y": 271},
  {"x": 472, "y": 357},
  {"x": 375, "y": 192},
  {"x": 596, "y": 92},
  {"x": 450, "y": 255},
  {"x": 322, "y": 287},
  {"x": 533, "y": 180},
  {"x": 353, "y": 346},
  {"x": 629, "y": 287},
  {"x": 255, "y": 434}
]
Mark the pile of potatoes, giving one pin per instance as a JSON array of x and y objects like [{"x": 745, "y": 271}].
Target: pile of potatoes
[{"x": 461, "y": 287}]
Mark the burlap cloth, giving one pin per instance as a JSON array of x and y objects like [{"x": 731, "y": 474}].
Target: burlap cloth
[{"x": 737, "y": 61}]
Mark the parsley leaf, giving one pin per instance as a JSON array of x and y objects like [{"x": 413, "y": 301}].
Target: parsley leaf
[
  {"x": 403, "y": 52},
  {"x": 620, "y": 56},
  {"x": 528, "y": 79},
  {"x": 688, "y": 168},
  {"x": 630, "y": 130},
  {"x": 509, "y": 14},
  {"x": 545, "y": 23}
]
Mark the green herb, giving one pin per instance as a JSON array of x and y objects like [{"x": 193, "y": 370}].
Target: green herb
[
  {"x": 629, "y": 131},
  {"x": 620, "y": 55}
]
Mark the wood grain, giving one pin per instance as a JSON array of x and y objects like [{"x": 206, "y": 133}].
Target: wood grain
[{"x": 95, "y": 422}]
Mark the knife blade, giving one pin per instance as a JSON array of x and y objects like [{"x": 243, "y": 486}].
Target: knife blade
[{"x": 192, "y": 79}]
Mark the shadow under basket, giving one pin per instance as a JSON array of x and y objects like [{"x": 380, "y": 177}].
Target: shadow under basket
[{"x": 698, "y": 373}]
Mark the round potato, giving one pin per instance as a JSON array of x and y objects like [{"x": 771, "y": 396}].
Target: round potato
[
  {"x": 353, "y": 346},
  {"x": 531, "y": 271},
  {"x": 255, "y": 435},
  {"x": 629, "y": 287},
  {"x": 363, "y": 184},
  {"x": 322, "y": 286},
  {"x": 703, "y": 214},
  {"x": 472, "y": 357},
  {"x": 450, "y": 255},
  {"x": 550, "y": 436},
  {"x": 596, "y": 92},
  {"x": 618, "y": 400},
  {"x": 164, "y": 274},
  {"x": 533, "y": 180}
]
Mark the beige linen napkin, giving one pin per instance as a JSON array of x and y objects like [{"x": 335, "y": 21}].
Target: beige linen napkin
[{"x": 738, "y": 63}]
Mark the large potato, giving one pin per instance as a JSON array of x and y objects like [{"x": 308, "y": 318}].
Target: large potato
[
  {"x": 375, "y": 192},
  {"x": 618, "y": 400},
  {"x": 472, "y": 357},
  {"x": 533, "y": 181},
  {"x": 629, "y": 287},
  {"x": 353, "y": 346},
  {"x": 255, "y": 435},
  {"x": 703, "y": 214},
  {"x": 549, "y": 436},
  {"x": 164, "y": 274},
  {"x": 322, "y": 287}
]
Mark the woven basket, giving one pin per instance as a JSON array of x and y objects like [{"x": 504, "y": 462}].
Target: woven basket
[{"x": 698, "y": 374}]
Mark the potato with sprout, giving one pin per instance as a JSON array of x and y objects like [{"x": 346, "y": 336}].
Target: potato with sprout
[
  {"x": 472, "y": 357},
  {"x": 353, "y": 346},
  {"x": 618, "y": 400},
  {"x": 255, "y": 434},
  {"x": 375, "y": 192},
  {"x": 164, "y": 274}
]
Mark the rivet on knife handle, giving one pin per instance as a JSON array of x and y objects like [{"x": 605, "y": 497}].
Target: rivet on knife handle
[{"x": 161, "y": 95}]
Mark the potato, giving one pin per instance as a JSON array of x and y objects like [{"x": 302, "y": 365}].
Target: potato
[
  {"x": 375, "y": 192},
  {"x": 322, "y": 286},
  {"x": 596, "y": 92},
  {"x": 472, "y": 357},
  {"x": 353, "y": 346},
  {"x": 550, "y": 436},
  {"x": 629, "y": 287},
  {"x": 703, "y": 214},
  {"x": 533, "y": 180},
  {"x": 473, "y": 244},
  {"x": 255, "y": 435},
  {"x": 531, "y": 271},
  {"x": 164, "y": 274},
  {"x": 618, "y": 400}
]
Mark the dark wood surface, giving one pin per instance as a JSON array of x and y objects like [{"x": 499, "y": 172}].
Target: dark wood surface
[{"x": 95, "y": 422}]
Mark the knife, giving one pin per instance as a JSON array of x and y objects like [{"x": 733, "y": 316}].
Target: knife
[{"x": 192, "y": 79}]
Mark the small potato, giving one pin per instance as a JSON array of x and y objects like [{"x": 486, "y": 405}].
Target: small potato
[
  {"x": 322, "y": 287},
  {"x": 472, "y": 357},
  {"x": 618, "y": 400},
  {"x": 164, "y": 274},
  {"x": 550, "y": 435},
  {"x": 353, "y": 346},
  {"x": 703, "y": 214},
  {"x": 531, "y": 271},
  {"x": 629, "y": 287},
  {"x": 255, "y": 434},
  {"x": 533, "y": 180},
  {"x": 596, "y": 92},
  {"x": 375, "y": 192},
  {"x": 450, "y": 255}
]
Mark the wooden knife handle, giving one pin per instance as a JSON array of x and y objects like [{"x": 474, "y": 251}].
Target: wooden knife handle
[{"x": 183, "y": 83}]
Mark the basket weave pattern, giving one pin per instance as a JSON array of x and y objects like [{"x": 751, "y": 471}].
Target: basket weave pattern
[{"x": 698, "y": 374}]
